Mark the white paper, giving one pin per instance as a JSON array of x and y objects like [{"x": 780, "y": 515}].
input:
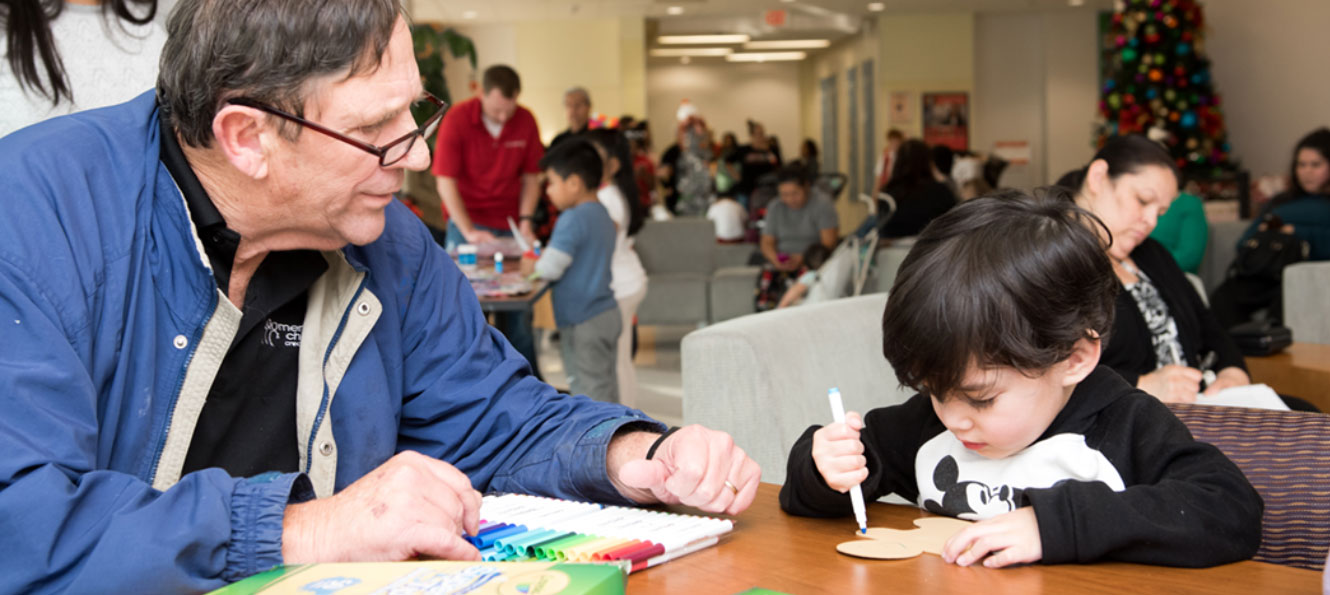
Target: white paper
[{"x": 1254, "y": 396}]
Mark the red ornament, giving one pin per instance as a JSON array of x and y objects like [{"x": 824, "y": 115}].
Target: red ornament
[
  {"x": 1179, "y": 71},
  {"x": 1186, "y": 36},
  {"x": 1151, "y": 38},
  {"x": 1117, "y": 18},
  {"x": 1182, "y": 163},
  {"x": 1129, "y": 99}
]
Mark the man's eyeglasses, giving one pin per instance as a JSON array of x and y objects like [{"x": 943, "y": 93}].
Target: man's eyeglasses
[{"x": 388, "y": 154}]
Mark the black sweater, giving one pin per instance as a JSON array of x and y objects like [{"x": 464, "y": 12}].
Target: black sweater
[
  {"x": 1129, "y": 351},
  {"x": 1115, "y": 476},
  {"x": 916, "y": 206}
]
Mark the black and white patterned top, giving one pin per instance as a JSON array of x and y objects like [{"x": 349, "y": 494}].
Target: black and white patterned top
[{"x": 1163, "y": 329}]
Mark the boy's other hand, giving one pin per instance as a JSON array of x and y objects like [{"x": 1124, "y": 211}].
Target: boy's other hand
[
  {"x": 1228, "y": 378},
  {"x": 1172, "y": 384},
  {"x": 839, "y": 454},
  {"x": 527, "y": 266},
  {"x": 1012, "y": 538},
  {"x": 478, "y": 236}
]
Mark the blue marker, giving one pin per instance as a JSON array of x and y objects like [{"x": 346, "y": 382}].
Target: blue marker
[{"x": 856, "y": 493}]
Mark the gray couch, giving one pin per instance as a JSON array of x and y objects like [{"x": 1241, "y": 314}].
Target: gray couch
[
  {"x": 691, "y": 279},
  {"x": 1306, "y": 309},
  {"x": 764, "y": 378}
]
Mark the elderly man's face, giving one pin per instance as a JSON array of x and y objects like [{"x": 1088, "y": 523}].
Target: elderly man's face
[
  {"x": 328, "y": 193},
  {"x": 497, "y": 107},
  {"x": 578, "y": 108}
]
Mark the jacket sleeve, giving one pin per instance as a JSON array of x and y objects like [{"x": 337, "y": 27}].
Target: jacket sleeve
[
  {"x": 471, "y": 400},
  {"x": 891, "y": 436},
  {"x": 1185, "y": 503},
  {"x": 67, "y": 524}
]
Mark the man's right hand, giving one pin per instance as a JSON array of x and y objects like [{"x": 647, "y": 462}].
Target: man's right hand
[
  {"x": 1172, "y": 384},
  {"x": 412, "y": 505},
  {"x": 478, "y": 236}
]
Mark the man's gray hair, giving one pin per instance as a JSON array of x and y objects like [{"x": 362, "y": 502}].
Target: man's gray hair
[
  {"x": 265, "y": 50},
  {"x": 578, "y": 91}
]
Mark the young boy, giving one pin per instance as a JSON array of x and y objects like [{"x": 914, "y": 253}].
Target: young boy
[
  {"x": 577, "y": 263},
  {"x": 997, "y": 318}
]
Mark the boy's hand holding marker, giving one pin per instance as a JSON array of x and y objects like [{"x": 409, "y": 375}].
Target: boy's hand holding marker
[{"x": 839, "y": 454}]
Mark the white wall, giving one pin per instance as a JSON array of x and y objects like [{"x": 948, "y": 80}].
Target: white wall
[
  {"x": 1269, "y": 70},
  {"x": 1036, "y": 80},
  {"x": 726, "y": 94}
]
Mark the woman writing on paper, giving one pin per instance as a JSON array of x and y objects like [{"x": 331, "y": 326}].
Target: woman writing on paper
[{"x": 1164, "y": 338}]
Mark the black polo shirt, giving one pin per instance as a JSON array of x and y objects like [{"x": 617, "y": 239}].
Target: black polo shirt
[{"x": 248, "y": 424}]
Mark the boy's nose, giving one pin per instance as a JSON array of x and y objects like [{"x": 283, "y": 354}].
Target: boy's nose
[{"x": 955, "y": 416}]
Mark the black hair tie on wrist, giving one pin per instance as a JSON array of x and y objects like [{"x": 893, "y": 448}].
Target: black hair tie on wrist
[{"x": 651, "y": 452}]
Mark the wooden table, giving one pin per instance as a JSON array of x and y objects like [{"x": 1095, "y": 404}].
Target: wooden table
[
  {"x": 773, "y": 550},
  {"x": 1302, "y": 370}
]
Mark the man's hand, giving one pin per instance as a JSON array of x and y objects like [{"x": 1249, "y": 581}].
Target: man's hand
[
  {"x": 1012, "y": 538},
  {"x": 477, "y": 236},
  {"x": 695, "y": 466},
  {"x": 1228, "y": 378},
  {"x": 1172, "y": 384},
  {"x": 412, "y": 505},
  {"x": 527, "y": 232},
  {"x": 839, "y": 454}
]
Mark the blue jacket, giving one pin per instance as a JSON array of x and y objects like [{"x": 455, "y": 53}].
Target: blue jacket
[{"x": 113, "y": 329}]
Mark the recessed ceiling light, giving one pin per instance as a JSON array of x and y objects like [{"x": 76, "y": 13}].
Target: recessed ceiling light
[
  {"x": 685, "y": 60},
  {"x": 675, "y": 52},
  {"x": 787, "y": 44},
  {"x": 765, "y": 56},
  {"x": 469, "y": 14},
  {"x": 1076, "y": 2},
  {"x": 788, "y": 1},
  {"x": 698, "y": 39},
  {"x": 877, "y": 6},
  {"x": 674, "y": 10}
]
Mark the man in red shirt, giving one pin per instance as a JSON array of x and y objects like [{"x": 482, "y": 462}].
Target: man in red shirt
[{"x": 486, "y": 162}]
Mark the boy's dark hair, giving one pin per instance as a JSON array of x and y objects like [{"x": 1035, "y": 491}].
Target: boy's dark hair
[
  {"x": 1007, "y": 280},
  {"x": 575, "y": 157},
  {"x": 816, "y": 255},
  {"x": 503, "y": 78}
]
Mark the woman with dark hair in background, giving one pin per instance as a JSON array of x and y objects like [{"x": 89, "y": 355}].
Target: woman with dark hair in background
[
  {"x": 66, "y": 56},
  {"x": 628, "y": 280},
  {"x": 808, "y": 156},
  {"x": 1302, "y": 212},
  {"x": 1164, "y": 338},
  {"x": 759, "y": 157},
  {"x": 919, "y": 197}
]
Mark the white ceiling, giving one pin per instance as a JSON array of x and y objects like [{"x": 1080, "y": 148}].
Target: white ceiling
[{"x": 528, "y": 10}]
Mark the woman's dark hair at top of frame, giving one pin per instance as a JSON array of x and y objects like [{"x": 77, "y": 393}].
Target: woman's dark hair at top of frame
[{"x": 33, "y": 56}]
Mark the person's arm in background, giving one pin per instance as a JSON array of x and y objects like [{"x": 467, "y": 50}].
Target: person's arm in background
[
  {"x": 531, "y": 177},
  {"x": 447, "y": 167},
  {"x": 828, "y": 224},
  {"x": 456, "y": 211}
]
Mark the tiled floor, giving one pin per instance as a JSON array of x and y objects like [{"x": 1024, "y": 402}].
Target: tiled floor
[{"x": 659, "y": 378}]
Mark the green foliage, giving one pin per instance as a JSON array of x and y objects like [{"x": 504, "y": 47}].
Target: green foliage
[{"x": 430, "y": 41}]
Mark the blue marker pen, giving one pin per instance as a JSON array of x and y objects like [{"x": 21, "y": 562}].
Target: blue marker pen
[{"x": 856, "y": 493}]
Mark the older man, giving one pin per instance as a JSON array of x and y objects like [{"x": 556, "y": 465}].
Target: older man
[
  {"x": 577, "y": 108},
  {"x": 227, "y": 347}
]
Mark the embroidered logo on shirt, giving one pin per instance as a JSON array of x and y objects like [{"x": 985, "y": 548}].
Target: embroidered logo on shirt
[{"x": 276, "y": 334}]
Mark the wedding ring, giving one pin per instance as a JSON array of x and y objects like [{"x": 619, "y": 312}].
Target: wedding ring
[{"x": 732, "y": 487}]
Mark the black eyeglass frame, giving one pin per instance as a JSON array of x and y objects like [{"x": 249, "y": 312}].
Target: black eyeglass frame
[{"x": 378, "y": 151}]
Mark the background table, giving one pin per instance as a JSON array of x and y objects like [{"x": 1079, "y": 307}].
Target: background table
[
  {"x": 1302, "y": 370},
  {"x": 797, "y": 555}
]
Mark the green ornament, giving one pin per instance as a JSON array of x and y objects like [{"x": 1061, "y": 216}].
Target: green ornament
[
  {"x": 1170, "y": 95},
  {"x": 1114, "y": 101},
  {"x": 1143, "y": 68},
  {"x": 1182, "y": 106},
  {"x": 1128, "y": 55}
]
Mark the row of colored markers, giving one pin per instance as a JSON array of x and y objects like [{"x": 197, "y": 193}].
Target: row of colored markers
[{"x": 517, "y": 527}]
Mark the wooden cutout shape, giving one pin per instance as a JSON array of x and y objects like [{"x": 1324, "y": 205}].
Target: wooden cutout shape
[{"x": 881, "y": 543}]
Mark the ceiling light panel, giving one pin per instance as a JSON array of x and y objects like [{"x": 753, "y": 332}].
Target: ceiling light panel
[
  {"x": 788, "y": 44},
  {"x": 766, "y": 56},
  {"x": 701, "y": 39}
]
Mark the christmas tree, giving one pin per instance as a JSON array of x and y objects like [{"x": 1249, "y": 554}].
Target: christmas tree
[{"x": 1158, "y": 84}]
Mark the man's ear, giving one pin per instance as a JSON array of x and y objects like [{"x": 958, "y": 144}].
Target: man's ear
[
  {"x": 240, "y": 133},
  {"x": 1083, "y": 360},
  {"x": 1096, "y": 178}
]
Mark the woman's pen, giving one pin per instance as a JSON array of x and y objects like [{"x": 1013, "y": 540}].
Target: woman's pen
[{"x": 856, "y": 493}]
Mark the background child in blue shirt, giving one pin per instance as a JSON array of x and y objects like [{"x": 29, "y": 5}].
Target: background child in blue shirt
[
  {"x": 577, "y": 263},
  {"x": 997, "y": 318}
]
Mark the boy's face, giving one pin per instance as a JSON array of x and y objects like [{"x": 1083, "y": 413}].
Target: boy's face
[
  {"x": 997, "y": 412},
  {"x": 563, "y": 192}
]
